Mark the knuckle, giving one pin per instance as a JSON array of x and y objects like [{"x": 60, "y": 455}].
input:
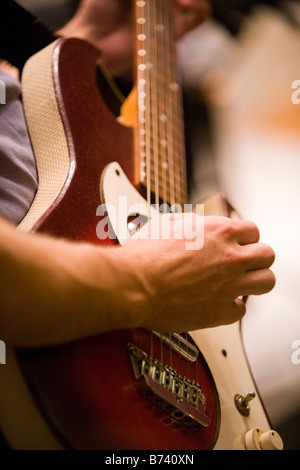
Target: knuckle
[
  {"x": 223, "y": 228},
  {"x": 227, "y": 227},
  {"x": 250, "y": 231},
  {"x": 251, "y": 226},
  {"x": 233, "y": 256}
]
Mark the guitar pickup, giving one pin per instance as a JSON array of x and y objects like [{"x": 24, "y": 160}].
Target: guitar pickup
[{"x": 179, "y": 396}]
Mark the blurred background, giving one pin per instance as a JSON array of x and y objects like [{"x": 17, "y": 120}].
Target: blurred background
[{"x": 244, "y": 137}]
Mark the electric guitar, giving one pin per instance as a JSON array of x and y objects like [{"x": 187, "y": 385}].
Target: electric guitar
[{"x": 130, "y": 389}]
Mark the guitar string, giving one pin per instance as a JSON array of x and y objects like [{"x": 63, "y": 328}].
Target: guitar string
[
  {"x": 163, "y": 114},
  {"x": 169, "y": 25},
  {"x": 161, "y": 117},
  {"x": 148, "y": 75},
  {"x": 155, "y": 32},
  {"x": 170, "y": 134},
  {"x": 153, "y": 110},
  {"x": 148, "y": 107},
  {"x": 152, "y": 130},
  {"x": 154, "y": 102},
  {"x": 153, "y": 60},
  {"x": 143, "y": 48},
  {"x": 178, "y": 150}
]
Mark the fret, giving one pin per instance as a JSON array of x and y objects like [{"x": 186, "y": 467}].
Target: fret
[
  {"x": 165, "y": 193},
  {"x": 163, "y": 168},
  {"x": 177, "y": 177},
  {"x": 160, "y": 134},
  {"x": 158, "y": 139},
  {"x": 159, "y": 180}
]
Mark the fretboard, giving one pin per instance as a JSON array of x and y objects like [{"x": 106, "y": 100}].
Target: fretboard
[{"x": 160, "y": 139}]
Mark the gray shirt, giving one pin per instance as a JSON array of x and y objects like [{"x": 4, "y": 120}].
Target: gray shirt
[{"x": 18, "y": 177}]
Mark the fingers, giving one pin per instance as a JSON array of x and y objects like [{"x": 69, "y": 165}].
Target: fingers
[
  {"x": 239, "y": 308},
  {"x": 255, "y": 256},
  {"x": 235, "y": 312},
  {"x": 255, "y": 259},
  {"x": 257, "y": 282},
  {"x": 258, "y": 256},
  {"x": 244, "y": 231},
  {"x": 257, "y": 278}
]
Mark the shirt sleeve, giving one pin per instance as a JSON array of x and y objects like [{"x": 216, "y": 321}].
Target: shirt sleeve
[{"x": 18, "y": 175}]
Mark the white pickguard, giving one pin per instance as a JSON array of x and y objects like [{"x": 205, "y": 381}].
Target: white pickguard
[{"x": 122, "y": 200}]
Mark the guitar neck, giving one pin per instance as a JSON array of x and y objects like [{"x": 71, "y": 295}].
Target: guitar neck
[{"x": 160, "y": 131}]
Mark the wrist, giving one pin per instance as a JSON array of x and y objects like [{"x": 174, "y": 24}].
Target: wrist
[{"x": 111, "y": 282}]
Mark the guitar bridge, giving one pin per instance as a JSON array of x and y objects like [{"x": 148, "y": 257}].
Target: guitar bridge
[{"x": 179, "y": 396}]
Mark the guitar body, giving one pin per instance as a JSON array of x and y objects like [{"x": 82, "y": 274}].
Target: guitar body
[
  {"x": 89, "y": 392},
  {"x": 98, "y": 393},
  {"x": 87, "y": 389},
  {"x": 89, "y": 135}
]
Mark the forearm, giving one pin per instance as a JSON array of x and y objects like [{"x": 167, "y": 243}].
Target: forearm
[{"x": 55, "y": 291}]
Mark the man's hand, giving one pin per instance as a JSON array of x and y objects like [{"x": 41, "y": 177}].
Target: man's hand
[
  {"x": 108, "y": 25},
  {"x": 188, "y": 290}
]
